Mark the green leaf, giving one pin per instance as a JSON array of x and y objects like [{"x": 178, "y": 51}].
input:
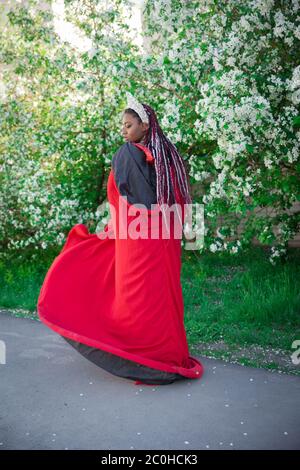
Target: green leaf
[
  {"x": 250, "y": 148},
  {"x": 296, "y": 121}
]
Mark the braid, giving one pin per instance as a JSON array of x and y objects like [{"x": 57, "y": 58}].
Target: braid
[{"x": 165, "y": 155}]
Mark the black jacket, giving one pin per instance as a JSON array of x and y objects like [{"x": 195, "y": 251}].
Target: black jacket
[{"x": 134, "y": 176}]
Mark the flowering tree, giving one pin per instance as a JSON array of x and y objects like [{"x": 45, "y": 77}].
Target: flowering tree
[
  {"x": 224, "y": 78},
  {"x": 60, "y": 120},
  {"x": 230, "y": 77}
]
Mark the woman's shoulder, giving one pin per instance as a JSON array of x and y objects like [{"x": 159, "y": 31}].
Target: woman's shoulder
[
  {"x": 119, "y": 151},
  {"x": 125, "y": 152},
  {"x": 127, "y": 147}
]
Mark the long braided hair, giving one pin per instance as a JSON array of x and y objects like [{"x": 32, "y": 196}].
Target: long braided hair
[{"x": 165, "y": 155}]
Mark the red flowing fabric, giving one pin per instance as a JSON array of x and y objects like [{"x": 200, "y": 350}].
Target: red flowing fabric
[{"x": 121, "y": 295}]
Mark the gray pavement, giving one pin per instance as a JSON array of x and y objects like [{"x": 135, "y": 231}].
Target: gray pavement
[{"x": 54, "y": 398}]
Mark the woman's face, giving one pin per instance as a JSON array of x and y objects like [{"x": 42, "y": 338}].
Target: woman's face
[{"x": 132, "y": 130}]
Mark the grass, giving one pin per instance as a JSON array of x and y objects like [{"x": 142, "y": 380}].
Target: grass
[
  {"x": 21, "y": 279},
  {"x": 241, "y": 309}
]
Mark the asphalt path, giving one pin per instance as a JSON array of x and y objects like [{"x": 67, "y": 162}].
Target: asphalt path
[{"x": 54, "y": 398}]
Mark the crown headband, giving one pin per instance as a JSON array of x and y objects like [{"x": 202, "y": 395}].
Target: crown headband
[{"x": 137, "y": 107}]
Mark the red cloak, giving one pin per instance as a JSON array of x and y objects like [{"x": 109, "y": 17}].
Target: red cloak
[{"x": 119, "y": 300}]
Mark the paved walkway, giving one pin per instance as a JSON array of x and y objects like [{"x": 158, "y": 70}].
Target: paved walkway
[{"x": 54, "y": 398}]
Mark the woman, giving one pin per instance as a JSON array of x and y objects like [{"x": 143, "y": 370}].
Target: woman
[{"x": 118, "y": 299}]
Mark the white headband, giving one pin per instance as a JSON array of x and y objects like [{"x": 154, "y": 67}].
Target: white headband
[{"x": 137, "y": 107}]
